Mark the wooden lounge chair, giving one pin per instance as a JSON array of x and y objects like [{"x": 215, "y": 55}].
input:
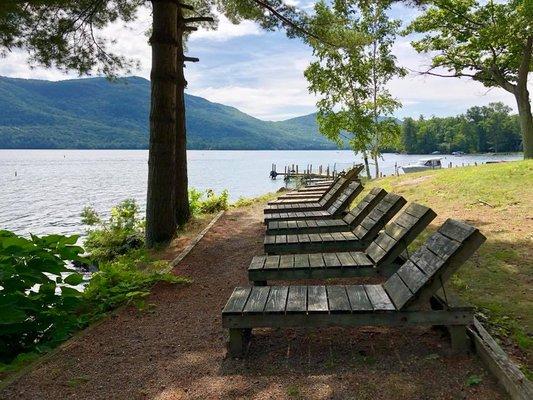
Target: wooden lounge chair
[
  {"x": 344, "y": 224},
  {"x": 324, "y": 200},
  {"x": 357, "y": 239},
  {"x": 341, "y": 189},
  {"x": 311, "y": 192},
  {"x": 401, "y": 301},
  {"x": 337, "y": 209},
  {"x": 380, "y": 258}
]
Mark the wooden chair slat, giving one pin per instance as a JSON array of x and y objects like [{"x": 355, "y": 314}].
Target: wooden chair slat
[
  {"x": 441, "y": 245},
  {"x": 301, "y": 261},
  {"x": 413, "y": 277},
  {"x": 258, "y": 262},
  {"x": 297, "y": 299},
  {"x": 379, "y": 298},
  {"x": 338, "y": 299},
  {"x": 277, "y": 299},
  {"x": 257, "y": 300},
  {"x": 237, "y": 301},
  {"x": 331, "y": 260},
  {"x": 397, "y": 290},
  {"x": 359, "y": 300},
  {"x": 272, "y": 262},
  {"x": 316, "y": 260},
  {"x": 317, "y": 299}
]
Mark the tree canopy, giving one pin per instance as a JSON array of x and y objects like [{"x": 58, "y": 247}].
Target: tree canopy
[{"x": 490, "y": 42}]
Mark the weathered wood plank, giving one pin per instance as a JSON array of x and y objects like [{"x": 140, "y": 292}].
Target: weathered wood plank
[
  {"x": 301, "y": 261},
  {"x": 379, "y": 298},
  {"x": 441, "y": 245},
  {"x": 272, "y": 262},
  {"x": 286, "y": 261},
  {"x": 297, "y": 299},
  {"x": 331, "y": 260},
  {"x": 316, "y": 260},
  {"x": 277, "y": 299},
  {"x": 257, "y": 300},
  {"x": 398, "y": 292},
  {"x": 338, "y": 299},
  {"x": 456, "y": 230},
  {"x": 236, "y": 301},
  {"x": 413, "y": 277},
  {"x": 359, "y": 300},
  {"x": 317, "y": 299},
  {"x": 258, "y": 262}
]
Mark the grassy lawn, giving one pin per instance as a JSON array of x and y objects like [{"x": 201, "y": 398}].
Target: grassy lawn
[{"x": 498, "y": 199}]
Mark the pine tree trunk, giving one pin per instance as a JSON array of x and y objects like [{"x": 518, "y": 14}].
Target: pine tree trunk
[
  {"x": 376, "y": 165},
  {"x": 367, "y": 166},
  {"x": 526, "y": 120},
  {"x": 181, "y": 187},
  {"x": 160, "y": 219}
]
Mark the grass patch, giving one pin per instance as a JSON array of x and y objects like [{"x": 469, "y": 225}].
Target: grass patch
[
  {"x": 497, "y": 199},
  {"x": 249, "y": 201}
]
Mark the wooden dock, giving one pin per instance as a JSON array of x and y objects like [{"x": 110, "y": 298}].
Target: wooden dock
[{"x": 293, "y": 171}]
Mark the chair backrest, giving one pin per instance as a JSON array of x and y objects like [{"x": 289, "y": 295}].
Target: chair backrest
[
  {"x": 417, "y": 280},
  {"x": 353, "y": 173},
  {"x": 376, "y": 219},
  {"x": 330, "y": 195},
  {"x": 345, "y": 198},
  {"x": 400, "y": 233},
  {"x": 361, "y": 210}
]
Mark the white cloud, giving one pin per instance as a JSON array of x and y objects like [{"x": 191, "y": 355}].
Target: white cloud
[{"x": 227, "y": 30}]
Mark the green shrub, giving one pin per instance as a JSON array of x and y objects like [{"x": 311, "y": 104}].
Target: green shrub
[
  {"x": 126, "y": 279},
  {"x": 122, "y": 232},
  {"x": 210, "y": 204},
  {"x": 37, "y": 303}
]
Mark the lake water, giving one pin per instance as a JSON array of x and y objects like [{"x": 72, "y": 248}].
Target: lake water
[{"x": 44, "y": 191}]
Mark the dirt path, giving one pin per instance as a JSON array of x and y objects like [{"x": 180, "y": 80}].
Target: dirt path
[{"x": 176, "y": 349}]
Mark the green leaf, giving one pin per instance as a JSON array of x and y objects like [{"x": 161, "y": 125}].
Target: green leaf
[
  {"x": 10, "y": 315},
  {"x": 473, "y": 380},
  {"x": 73, "y": 279}
]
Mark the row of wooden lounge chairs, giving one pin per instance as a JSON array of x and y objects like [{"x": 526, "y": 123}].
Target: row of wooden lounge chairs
[{"x": 354, "y": 243}]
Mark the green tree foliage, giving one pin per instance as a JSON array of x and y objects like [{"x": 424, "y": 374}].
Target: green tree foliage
[
  {"x": 37, "y": 302},
  {"x": 481, "y": 129},
  {"x": 120, "y": 233},
  {"x": 353, "y": 66},
  {"x": 490, "y": 42}
]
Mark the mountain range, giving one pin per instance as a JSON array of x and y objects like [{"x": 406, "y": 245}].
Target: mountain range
[{"x": 95, "y": 113}]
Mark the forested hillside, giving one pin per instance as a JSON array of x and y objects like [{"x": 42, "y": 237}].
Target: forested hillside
[
  {"x": 95, "y": 113},
  {"x": 490, "y": 128}
]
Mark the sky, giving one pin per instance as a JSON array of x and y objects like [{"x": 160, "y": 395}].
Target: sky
[{"x": 261, "y": 73}]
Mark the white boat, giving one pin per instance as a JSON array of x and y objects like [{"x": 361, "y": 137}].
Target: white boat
[{"x": 423, "y": 164}]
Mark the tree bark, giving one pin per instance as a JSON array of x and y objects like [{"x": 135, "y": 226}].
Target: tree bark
[
  {"x": 526, "y": 120},
  {"x": 367, "y": 167},
  {"x": 376, "y": 165},
  {"x": 160, "y": 219},
  {"x": 181, "y": 187},
  {"x": 522, "y": 100}
]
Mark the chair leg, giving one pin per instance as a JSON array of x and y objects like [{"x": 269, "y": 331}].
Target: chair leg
[
  {"x": 460, "y": 339},
  {"x": 238, "y": 341}
]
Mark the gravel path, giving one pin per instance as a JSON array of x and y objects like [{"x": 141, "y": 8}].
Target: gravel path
[{"x": 176, "y": 348}]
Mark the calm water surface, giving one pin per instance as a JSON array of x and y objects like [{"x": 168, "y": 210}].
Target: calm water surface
[{"x": 44, "y": 191}]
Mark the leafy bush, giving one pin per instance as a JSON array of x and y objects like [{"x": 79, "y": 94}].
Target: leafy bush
[
  {"x": 122, "y": 232},
  {"x": 37, "y": 304},
  {"x": 211, "y": 204},
  {"x": 126, "y": 279}
]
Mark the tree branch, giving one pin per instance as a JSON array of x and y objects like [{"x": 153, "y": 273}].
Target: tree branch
[{"x": 287, "y": 21}]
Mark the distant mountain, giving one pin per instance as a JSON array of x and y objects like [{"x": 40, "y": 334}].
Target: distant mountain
[{"x": 95, "y": 113}]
